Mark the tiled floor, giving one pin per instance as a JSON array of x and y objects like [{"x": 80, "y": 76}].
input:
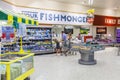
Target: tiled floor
[{"x": 52, "y": 67}]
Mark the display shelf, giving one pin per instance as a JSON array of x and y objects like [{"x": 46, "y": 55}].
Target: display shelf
[
  {"x": 16, "y": 66},
  {"x": 43, "y": 52},
  {"x": 39, "y": 39},
  {"x": 8, "y": 48},
  {"x": 42, "y": 38}
]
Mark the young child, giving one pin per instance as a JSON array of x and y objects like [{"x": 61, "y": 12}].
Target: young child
[{"x": 57, "y": 49}]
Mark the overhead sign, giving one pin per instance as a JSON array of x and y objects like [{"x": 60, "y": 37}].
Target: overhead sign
[
  {"x": 106, "y": 20},
  {"x": 55, "y": 17}
]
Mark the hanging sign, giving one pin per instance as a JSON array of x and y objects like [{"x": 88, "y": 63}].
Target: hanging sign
[
  {"x": 55, "y": 17},
  {"x": 90, "y": 17},
  {"x": 100, "y": 20}
]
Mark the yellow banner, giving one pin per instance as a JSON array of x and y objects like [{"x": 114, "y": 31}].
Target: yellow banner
[
  {"x": 10, "y": 19},
  {"x": 32, "y": 22},
  {"x": 19, "y": 20},
  {"x": 26, "y": 21},
  {"x": 37, "y": 23}
]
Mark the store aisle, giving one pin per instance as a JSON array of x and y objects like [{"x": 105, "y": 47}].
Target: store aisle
[{"x": 52, "y": 67}]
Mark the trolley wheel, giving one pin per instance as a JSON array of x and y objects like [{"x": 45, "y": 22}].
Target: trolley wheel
[{"x": 28, "y": 78}]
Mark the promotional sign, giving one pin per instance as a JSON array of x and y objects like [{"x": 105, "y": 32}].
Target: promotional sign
[
  {"x": 88, "y": 38},
  {"x": 55, "y": 17},
  {"x": 84, "y": 31},
  {"x": 22, "y": 30},
  {"x": 101, "y": 30},
  {"x": 7, "y": 34}
]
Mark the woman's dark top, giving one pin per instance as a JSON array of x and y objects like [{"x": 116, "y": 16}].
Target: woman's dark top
[{"x": 57, "y": 45}]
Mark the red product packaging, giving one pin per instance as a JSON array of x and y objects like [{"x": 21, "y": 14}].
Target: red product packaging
[{"x": 3, "y": 35}]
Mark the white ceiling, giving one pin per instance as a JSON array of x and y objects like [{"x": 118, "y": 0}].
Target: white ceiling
[{"x": 107, "y": 4}]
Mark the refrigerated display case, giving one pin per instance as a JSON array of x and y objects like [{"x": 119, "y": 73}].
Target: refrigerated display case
[
  {"x": 15, "y": 66},
  {"x": 42, "y": 39}
]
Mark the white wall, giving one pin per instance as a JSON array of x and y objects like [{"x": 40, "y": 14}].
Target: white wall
[
  {"x": 76, "y": 31},
  {"x": 52, "y": 5},
  {"x": 110, "y": 30},
  {"x": 107, "y": 12},
  {"x": 93, "y": 30},
  {"x": 6, "y": 6},
  {"x": 73, "y": 8}
]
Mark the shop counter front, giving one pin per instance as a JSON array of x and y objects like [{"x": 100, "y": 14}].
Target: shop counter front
[{"x": 15, "y": 66}]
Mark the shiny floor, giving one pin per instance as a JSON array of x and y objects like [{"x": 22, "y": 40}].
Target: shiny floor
[{"x": 52, "y": 67}]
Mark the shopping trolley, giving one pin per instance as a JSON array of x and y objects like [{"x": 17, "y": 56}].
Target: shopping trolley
[
  {"x": 70, "y": 48},
  {"x": 75, "y": 47},
  {"x": 65, "y": 47}
]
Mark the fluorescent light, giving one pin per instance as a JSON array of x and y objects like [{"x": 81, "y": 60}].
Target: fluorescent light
[{"x": 90, "y": 2}]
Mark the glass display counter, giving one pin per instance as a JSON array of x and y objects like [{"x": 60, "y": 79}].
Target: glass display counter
[{"x": 16, "y": 66}]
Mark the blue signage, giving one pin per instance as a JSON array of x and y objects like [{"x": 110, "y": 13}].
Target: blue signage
[
  {"x": 61, "y": 17},
  {"x": 55, "y": 17},
  {"x": 31, "y": 14}
]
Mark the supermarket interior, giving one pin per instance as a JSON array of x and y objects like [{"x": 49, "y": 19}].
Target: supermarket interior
[{"x": 59, "y": 39}]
